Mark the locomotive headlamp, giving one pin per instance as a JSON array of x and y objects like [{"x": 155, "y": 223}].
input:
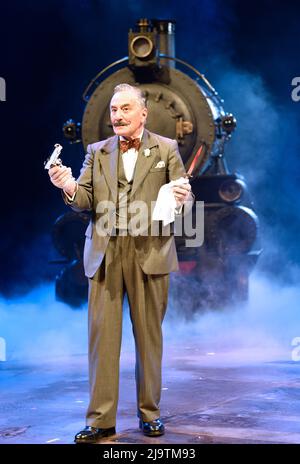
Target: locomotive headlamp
[
  {"x": 228, "y": 123},
  {"x": 141, "y": 47},
  {"x": 231, "y": 190},
  {"x": 72, "y": 131}
]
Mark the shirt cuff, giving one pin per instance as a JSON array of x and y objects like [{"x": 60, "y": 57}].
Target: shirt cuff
[
  {"x": 73, "y": 196},
  {"x": 178, "y": 209}
]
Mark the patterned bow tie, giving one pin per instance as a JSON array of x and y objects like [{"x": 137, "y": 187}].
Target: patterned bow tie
[{"x": 127, "y": 144}]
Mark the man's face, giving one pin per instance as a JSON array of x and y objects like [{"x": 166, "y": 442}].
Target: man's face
[{"x": 127, "y": 115}]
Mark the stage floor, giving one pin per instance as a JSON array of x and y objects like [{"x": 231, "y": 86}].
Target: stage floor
[{"x": 206, "y": 398}]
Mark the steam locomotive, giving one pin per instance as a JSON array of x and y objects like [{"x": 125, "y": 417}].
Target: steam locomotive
[{"x": 183, "y": 106}]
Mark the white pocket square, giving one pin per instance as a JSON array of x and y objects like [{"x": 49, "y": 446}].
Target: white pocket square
[{"x": 160, "y": 164}]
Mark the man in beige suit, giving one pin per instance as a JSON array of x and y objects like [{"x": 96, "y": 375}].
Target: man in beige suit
[{"x": 120, "y": 178}]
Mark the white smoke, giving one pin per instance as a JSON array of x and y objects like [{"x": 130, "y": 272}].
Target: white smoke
[
  {"x": 261, "y": 329},
  {"x": 36, "y": 326}
]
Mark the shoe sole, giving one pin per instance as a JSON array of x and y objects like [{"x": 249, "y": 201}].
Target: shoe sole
[{"x": 153, "y": 434}]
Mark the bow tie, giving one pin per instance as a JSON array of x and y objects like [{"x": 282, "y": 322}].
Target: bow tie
[{"x": 127, "y": 144}]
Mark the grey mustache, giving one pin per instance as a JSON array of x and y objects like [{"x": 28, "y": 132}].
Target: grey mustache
[{"x": 118, "y": 124}]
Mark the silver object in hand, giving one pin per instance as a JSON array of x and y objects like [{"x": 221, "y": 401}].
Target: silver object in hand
[{"x": 54, "y": 159}]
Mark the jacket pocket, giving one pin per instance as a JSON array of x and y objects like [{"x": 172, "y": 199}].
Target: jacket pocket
[{"x": 158, "y": 169}]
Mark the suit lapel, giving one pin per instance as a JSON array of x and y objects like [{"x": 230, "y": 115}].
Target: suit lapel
[
  {"x": 143, "y": 163},
  {"x": 108, "y": 158}
]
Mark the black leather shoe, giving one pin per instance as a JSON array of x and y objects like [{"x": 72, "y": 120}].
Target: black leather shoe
[
  {"x": 93, "y": 434},
  {"x": 154, "y": 428}
]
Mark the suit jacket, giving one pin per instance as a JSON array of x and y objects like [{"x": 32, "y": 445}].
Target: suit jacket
[{"x": 98, "y": 182}]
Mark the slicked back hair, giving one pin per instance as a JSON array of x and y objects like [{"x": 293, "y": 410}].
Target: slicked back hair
[{"x": 135, "y": 90}]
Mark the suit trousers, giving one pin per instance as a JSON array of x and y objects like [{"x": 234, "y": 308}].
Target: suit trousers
[{"x": 147, "y": 295}]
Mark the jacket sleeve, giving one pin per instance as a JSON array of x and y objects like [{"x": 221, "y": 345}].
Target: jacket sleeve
[
  {"x": 83, "y": 198},
  {"x": 176, "y": 169}
]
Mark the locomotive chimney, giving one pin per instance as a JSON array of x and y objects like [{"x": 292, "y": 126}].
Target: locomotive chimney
[{"x": 166, "y": 32}]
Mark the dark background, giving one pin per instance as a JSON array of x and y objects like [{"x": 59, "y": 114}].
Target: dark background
[{"x": 49, "y": 52}]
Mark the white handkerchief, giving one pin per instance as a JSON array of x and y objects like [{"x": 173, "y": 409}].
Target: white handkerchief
[
  {"x": 129, "y": 160},
  {"x": 165, "y": 205},
  {"x": 160, "y": 164}
]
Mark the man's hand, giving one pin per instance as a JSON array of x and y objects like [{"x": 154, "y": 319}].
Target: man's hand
[
  {"x": 181, "y": 193},
  {"x": 62, "y": 178}
]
